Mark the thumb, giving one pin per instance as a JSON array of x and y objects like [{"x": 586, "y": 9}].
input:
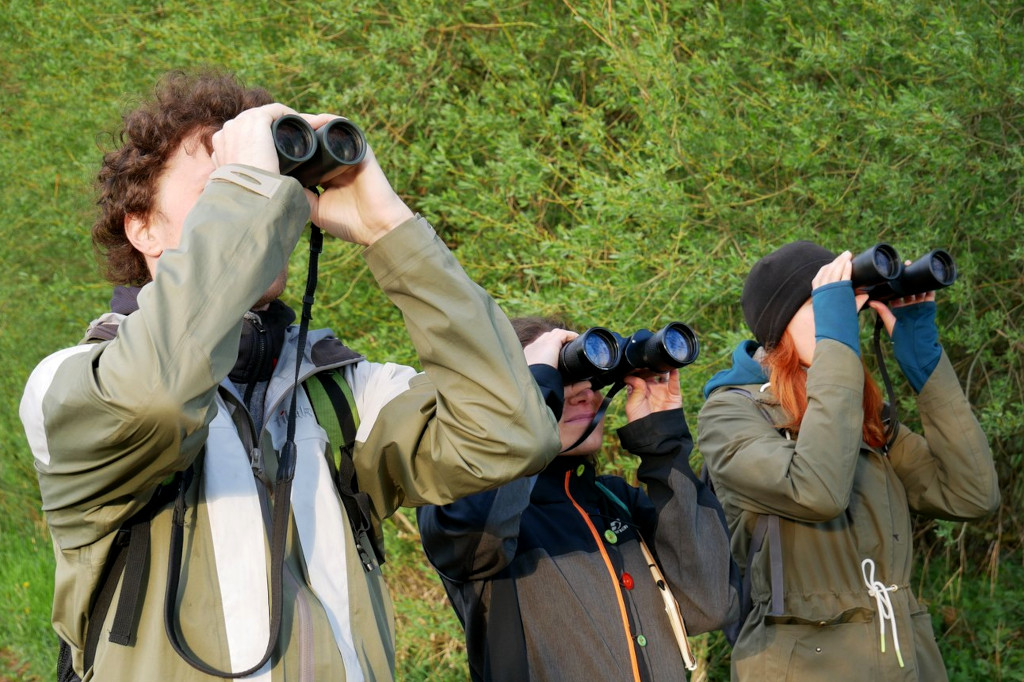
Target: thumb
[{"x": 888, "y": 319}]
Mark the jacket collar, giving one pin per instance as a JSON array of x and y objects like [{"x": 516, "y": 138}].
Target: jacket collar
[{"x": 550, "y": 485}]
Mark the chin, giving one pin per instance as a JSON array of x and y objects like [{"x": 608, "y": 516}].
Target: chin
[
  {"x": 273, "y": 292},
  {"x": 588, "y": 448}
]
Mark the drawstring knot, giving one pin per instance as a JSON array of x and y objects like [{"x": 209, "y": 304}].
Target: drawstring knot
[{"x": 883, "y": 603}]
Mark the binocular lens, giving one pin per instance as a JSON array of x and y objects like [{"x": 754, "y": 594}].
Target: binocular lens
[
  {"x": 295, "y": 141},
  {"x": 943, "y": 267},
  {"x": 875, "y": 266},
  {"x": 672, "y": 346},
  {"x": 344, "y": 142},
  {"x": 680, "y": 344},
  {"x": 601, "y": 352},
  {"x": 292, "y": 141},
  {"x": 594, "y": 352},
  {"x": 886, "y": 264}
]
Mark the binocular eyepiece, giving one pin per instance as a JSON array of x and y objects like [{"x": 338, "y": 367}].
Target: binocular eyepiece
[
  {"x": 315, "y": 156},
  {"x": 604, "y": 357},
  {"x": 881, "y": 273}
]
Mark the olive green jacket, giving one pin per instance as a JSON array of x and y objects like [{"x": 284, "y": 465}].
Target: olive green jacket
[
  {"x": 841, "y": 502},
  {"x": 108, "y": 422}
]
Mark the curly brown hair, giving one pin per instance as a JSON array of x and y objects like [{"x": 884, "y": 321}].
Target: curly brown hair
[{"x": 183, "y": 105}]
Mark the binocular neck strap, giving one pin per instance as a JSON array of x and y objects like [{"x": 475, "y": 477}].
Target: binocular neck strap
[
  {"x": 889, "y": 415},
  {"x": 282, "y": 506},
  {"x": 618, "y": 386}
]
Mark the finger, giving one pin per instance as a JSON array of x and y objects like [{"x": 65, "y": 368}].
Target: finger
[
  {"x": 888, "y": 319},
  {"x": 847, "y": 270},
  {"x": 635, "y": 383}
]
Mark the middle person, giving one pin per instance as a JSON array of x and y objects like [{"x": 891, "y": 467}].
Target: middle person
[{"x": 566, "y": 575}]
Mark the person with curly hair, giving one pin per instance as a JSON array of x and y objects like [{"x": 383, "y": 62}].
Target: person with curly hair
[{"x": 191, "y": 486}]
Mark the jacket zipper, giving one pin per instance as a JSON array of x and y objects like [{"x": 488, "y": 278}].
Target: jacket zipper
[
  {"x": 611, "y": 574},
  {"x": 259, "y": 354}
]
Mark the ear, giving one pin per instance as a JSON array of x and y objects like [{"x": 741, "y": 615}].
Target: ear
[{"x": 141, "y": 237}]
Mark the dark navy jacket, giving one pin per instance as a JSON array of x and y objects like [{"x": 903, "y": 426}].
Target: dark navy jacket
[{"x": 547, "y": 575}]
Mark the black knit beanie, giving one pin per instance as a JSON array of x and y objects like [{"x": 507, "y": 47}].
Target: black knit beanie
[{"x": 778, "y": 285}]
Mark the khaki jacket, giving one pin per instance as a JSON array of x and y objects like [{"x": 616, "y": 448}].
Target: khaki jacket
[
  {"x": 109, "y": 422},
  {"x": 841, "y": 502}
]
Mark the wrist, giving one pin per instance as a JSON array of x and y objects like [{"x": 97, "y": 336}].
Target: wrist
[{"x": 387, "y": 219}]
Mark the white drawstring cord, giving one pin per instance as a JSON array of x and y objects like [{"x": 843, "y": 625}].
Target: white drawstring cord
[{"x": 880, "y": 592}]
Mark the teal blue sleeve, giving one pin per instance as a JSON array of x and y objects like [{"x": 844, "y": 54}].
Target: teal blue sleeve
[
  {"x": 915, "y": 342},
  {"x": 835, "y": 314}
]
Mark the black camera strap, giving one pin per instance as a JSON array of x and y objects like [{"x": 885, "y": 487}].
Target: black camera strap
[
  {"x": 889, "y": 414},
  {"x": 282, "y": 506},
  {"x": 598, "y": 416}
]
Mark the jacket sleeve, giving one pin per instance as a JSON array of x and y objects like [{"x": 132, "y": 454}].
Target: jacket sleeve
[
  {"x": 107, "y": 424},
  {"x": 683, "y": 522},
  {"x": 948, "y": 472},
  {"x": 474, "y": 418},
  {"x": 476, "y": 537},
  {"x": 757, "y": 469}
]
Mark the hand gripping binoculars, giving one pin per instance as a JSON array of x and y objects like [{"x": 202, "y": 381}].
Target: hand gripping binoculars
[
  {"x": 881, "y": 273},
  {"x": 604, "y": 357},
  {"x": 315, "y": 156}
]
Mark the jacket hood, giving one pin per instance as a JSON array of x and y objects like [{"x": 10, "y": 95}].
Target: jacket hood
[
  {"x": 125, "y": 300},
  {"x": 745, "y": 369}
]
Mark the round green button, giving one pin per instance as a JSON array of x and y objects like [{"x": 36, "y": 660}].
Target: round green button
[
  {"x": 641, "y": 640},
  {"x": 610, "y": 536},
  {"x": 580, "y": 469}
]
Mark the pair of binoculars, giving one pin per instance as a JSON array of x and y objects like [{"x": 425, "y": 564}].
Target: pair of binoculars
[
  {"x": 604, "y": 357},
  {"x": 881, "y": 273},
  {"x": 315, "y": 156}
]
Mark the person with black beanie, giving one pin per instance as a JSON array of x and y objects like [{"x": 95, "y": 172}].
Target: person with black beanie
[{"x": 819, "y": 490}]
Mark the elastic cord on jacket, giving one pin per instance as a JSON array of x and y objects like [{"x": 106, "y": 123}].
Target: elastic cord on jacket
[{"x": 880, "y": 592}]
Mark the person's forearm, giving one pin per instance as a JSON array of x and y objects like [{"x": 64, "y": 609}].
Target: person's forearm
[{"x": 476, "y": 419}]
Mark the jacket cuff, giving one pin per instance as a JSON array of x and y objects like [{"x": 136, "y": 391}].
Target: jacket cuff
[
  {"x": 647, "y": 435},
  {"x": 391, "y": 255}
]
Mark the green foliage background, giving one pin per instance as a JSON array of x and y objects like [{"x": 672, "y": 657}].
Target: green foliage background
[{"x": 624, "y": 163}]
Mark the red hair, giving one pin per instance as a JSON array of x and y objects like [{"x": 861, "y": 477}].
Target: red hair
[{"x": 789, "y": 382}]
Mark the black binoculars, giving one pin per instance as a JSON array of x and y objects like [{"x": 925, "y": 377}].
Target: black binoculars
[
  {"x": 315, "y": 156},
  {"x": 604, "y": 357},
  {"x": 881, "y": 273}
]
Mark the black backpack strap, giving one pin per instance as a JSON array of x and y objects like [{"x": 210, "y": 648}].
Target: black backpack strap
[
  {"x": 123, "y": 629},
  {"x": 334, "y": 406},
  {"x": 98, "y": 612},
  {"x": 127, "y": 558},
  {"x": 890, "y": 416}
]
